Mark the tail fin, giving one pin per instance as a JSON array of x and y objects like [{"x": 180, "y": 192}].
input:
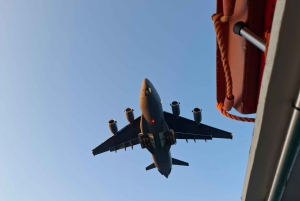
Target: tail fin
[
  {"x": 179, "y": 162},
  {"x": 151, "y": 166}
]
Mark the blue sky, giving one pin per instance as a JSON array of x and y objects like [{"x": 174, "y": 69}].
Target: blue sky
[{"x": 67, "y": 67}]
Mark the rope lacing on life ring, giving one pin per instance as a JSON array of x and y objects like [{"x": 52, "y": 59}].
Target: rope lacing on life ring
[{"x": 218, "y": 19}]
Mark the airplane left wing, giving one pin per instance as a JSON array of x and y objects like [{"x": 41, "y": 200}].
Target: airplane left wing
[
  {"x": 189, "y": 129},
  {"x": 126, "y": 137}
]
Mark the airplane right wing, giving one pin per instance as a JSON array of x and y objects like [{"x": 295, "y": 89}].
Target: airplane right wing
[
  {"x": 126, "y": 137},
  {"x": 189, "y": 129}
]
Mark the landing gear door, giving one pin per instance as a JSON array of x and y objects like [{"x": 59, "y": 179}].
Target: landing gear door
[
  {"x": 173, "y": 136},
  {"x": 162, "y": 139},
  {"x": 152, "y": 140}
]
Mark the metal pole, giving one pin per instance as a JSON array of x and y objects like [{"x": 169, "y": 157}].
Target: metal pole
[
  {"x": 240, "y": 29},
  {"x": 288, "y": 155}
]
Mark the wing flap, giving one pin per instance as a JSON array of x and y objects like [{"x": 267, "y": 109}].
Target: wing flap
[
  {"x": 124, "y": 145},
  {"x": 187, "y": 136}
]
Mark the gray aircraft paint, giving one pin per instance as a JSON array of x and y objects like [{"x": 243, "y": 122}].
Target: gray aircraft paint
[
  {"x": 153, "y": 122},
  {"x": 153, "y": 125}
]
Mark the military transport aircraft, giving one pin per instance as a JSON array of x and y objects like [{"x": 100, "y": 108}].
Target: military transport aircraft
[{"x": 157, "y": 130}]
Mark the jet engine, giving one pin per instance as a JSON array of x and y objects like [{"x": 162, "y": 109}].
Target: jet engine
[
  {"x": 175, "y": 108},
  {"x": 112, "y": 124},
  {"x": 197, "y": 115},
  {"x": 129, "y": 115}
]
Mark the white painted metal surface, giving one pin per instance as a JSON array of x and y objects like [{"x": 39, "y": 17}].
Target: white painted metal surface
[{"x": 280, "y": 86}]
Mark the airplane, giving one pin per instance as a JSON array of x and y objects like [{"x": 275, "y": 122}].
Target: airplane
[{"x": 157, "y": 130}]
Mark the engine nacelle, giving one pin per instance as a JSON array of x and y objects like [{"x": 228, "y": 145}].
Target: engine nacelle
[
  {"x": 129, "y": 115},
  {"x": 112, "y": 124},
  {"x": 197, "y": 115},
  {"x": 175, "y": 108}
]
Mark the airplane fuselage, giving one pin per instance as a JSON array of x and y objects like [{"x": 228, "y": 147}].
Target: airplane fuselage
[
  {"x": 151, "y": 130},
  {"x": 153, "y": 123}
]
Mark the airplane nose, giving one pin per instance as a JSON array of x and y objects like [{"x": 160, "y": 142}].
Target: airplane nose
[
  {"x": 145, "y": 83},
  {"x": 147, "y": 88}
]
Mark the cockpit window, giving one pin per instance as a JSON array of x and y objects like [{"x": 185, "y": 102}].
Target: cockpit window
[{"x": 147, "y": 91}]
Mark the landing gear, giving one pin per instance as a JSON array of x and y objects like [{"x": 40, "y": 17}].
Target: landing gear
[
  {"x": 147, "y": 142},
  {"x": 170, "y": 138},
  {"x": 144, "y": 141}
]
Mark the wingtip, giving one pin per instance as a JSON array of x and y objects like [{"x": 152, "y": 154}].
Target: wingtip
[{"x": 231, "y": 136}]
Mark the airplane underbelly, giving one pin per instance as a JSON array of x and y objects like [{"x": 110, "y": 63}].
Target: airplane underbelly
[{"x": 162, "y": 159}]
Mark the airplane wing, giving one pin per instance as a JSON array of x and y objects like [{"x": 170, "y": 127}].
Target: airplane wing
[
  {"x": 126, "y": 137},
  {"x": 189, "y": 129}
]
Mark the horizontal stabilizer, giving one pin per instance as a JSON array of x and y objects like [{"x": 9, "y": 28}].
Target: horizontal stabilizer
[
  {"x": 179, "y": 162},
  {"x": 149, "y": 167}
]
